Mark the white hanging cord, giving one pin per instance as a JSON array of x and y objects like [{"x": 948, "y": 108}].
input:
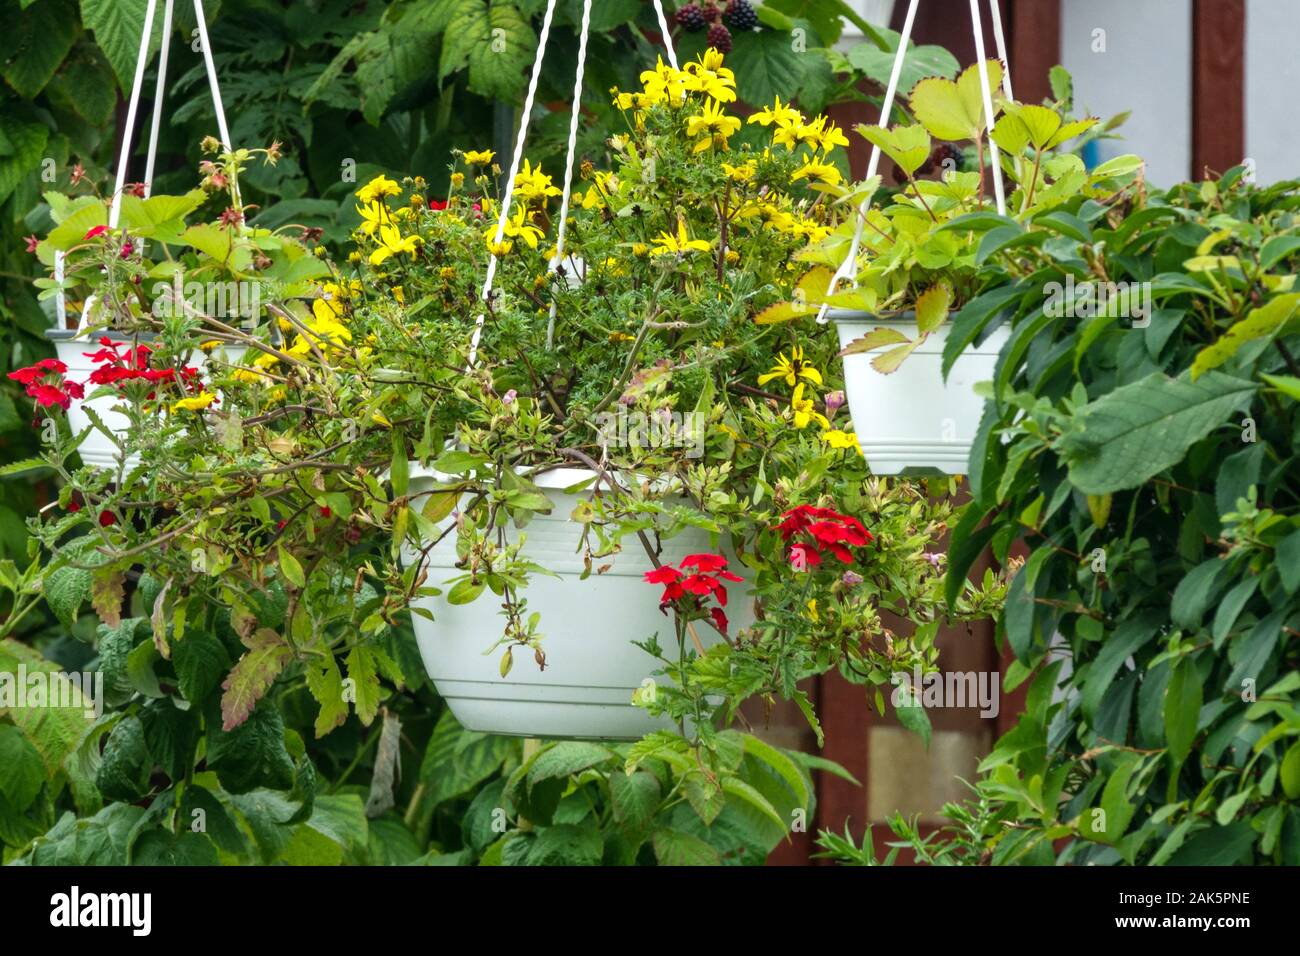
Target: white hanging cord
[
  {"x": 1001, "y": 41},
  {"x": 510, "y": 178},
  {"x": 668, "y": 39},
  {"x": 848, "y": 267},
  {"x": 211, "y": 67},
  {"x": 568, "y": 162},
  {"x": 159, "y": 92},
  {"x": 115, "y": 210},
  {"x": 980, "y": 61}
]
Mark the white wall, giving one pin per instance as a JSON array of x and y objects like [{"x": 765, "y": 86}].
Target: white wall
[
  {"x": 1146, "y": 67},
  {"x": 1272, "y": 88}
]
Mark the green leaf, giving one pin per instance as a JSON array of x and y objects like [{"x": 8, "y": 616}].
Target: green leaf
[
  {"x": 66, "y": 590},
  {"x": 161, "y": 848},
  {"x": 200, "y": 660},
  {"x": 1289, "y": 772},
  {"x": 124, "y": 772},
  {"x": 118, "y": 26},
  {"x": 1288, "y": 561},
  {"x": 918, "y": 62},
  {"x": 566, "y": 758},
  {"x": 566, "y": 844},
  {"x": 37, "y": 43},
  {"x": 24, "y": 771},
  {"x": 875, "y": 339},
  {"x": 291, "y": 568},
  {"x": 253, "y": 675},
  {"x": 253, "y": 754},
  {"x": 675, "y": 848},
  {"x": 363, "y": 672},
  {"x": 907, "y": 146},
  {"x": 932, "y": 307},
  {"x": 499, "y": 62},
  {"x": 1182, "y": 709},
  {"x": 1217, "y": 846},
  {"x": 955, "y": 110},
  {"x": 1263, "y": 322},
  {"x": 326, "y": 685},
  {"x": 634, "y": 799},
  {"x": 172, "y": 735},
  {"x": 1137, "y": 431}
]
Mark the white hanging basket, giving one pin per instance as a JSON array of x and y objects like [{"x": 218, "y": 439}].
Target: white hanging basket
[
  {"x": 912, "y": 421},
  {"x": 587, "y": 626},
  {"x": 74, "y": 348}
]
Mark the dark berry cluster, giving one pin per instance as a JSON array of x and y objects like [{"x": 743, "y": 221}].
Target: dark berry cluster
[{"x": 720, "y": 18}]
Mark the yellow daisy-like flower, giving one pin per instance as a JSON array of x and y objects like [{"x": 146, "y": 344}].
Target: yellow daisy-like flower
[
  {"x": 210, "y": 345},
  {"x": 664, "y": 84},
  {"x": 715, "y": 126},
  {"x": 742, "y": 173},
  {"x": 782, "y": 114},
  {"x": 377, "y": 189},
  {"x": 195, "y": 403},
  {"x": 373, "y": 215},
  {"x": 478, "y": 157},
  {"x": 391, "y": 243},
  {"x": 791, "y": 369},
  {"x": 668, "y": 244},
  {"x": 804, "y": 410},
  {"x": 707, "y": 75},
  {"x": 840, "y": 439},
  {"x": 533, "y": 184},
  {"x": 817, "y": 172},
  {"x": 516, "y": 227}
]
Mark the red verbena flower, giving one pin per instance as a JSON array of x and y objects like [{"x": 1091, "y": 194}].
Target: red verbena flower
[
  {"x": 705, "y": 581},
  {"x": 95, "y": 232},
  {"x": 822, "y": 530}
]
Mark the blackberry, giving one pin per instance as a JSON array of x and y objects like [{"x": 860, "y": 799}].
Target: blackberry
[
  {"x": 691, "y": 18},
  {"x": 711, "y": 13},
  {"x": 740, "y": 15},
  {"x": 946, "y": 156},
  {"x": 720, "y": 38}
]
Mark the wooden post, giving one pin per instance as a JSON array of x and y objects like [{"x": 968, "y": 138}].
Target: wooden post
[{"x": 1218, "y": 85}]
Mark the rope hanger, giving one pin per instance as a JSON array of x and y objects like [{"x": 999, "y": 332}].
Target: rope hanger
[
  {"x": 520, "y": 138},
  {"x": 155, "y": 123},
  {"x": 848, "y": 268}
]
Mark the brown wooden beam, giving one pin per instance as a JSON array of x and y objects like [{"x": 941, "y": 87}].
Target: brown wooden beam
[
  {"x": 1033, "y": 46},
  {"x": 1218, "y": 85}
]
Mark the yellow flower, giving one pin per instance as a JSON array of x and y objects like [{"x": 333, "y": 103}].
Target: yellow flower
[
  {"x": 742, "y": 173},
  {"x": 714, "y": 125},
  {"x": 791, "y": 369},
  {"x": 195, "y": 403},
  {"x": 458, "y": 179},
  {"x": 373, "y": 215},
  {"x": 516, "y": 227},
  {"x": 838, "y": 439},
  {"x": 818, "y": 172},
  {"x": 533, "y": 184},
  {"x": 707, "y": 75},
  {"x": 399, "y": 295},
  {"x": 680, "y": 244},
  {"x": 779, "y": 113},
  {"x": 664, "y": 84},
  {"x": 209, "y": 345},
  {"x": 391, "y": 243},
  {"x": 803, "y": 409},
  {"x": 478, "y": 157},
  {"x": 812, "y": 610},
  {"x": 377, "y": 189}
]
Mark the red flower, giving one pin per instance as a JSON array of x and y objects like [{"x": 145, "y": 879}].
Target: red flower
[
  {"x": 107, "y": 519},
  {"x": 670, "y": 578},
  {"x": 325, "y": 512},
  {"x": 25, "y": 376},
  {"x": 437, "y": 205},
  {"x": 52, "y": 365},
  {"x": 719, "y": 618},
  {"x": 95, "y": 232},
  {"x": 49, "y": 395},
  {"x": 136, "y": 189},
  {"x": 706, "y": 581},
  {"x": 828, "y": 530},
  {"x": 32, "y": 243}
]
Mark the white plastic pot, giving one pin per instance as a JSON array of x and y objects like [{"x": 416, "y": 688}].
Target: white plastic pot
[
  {"x": 587, "y": 626},
  {"x": 912, "y": 421},
  {"x": 97, "y": 450}
]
